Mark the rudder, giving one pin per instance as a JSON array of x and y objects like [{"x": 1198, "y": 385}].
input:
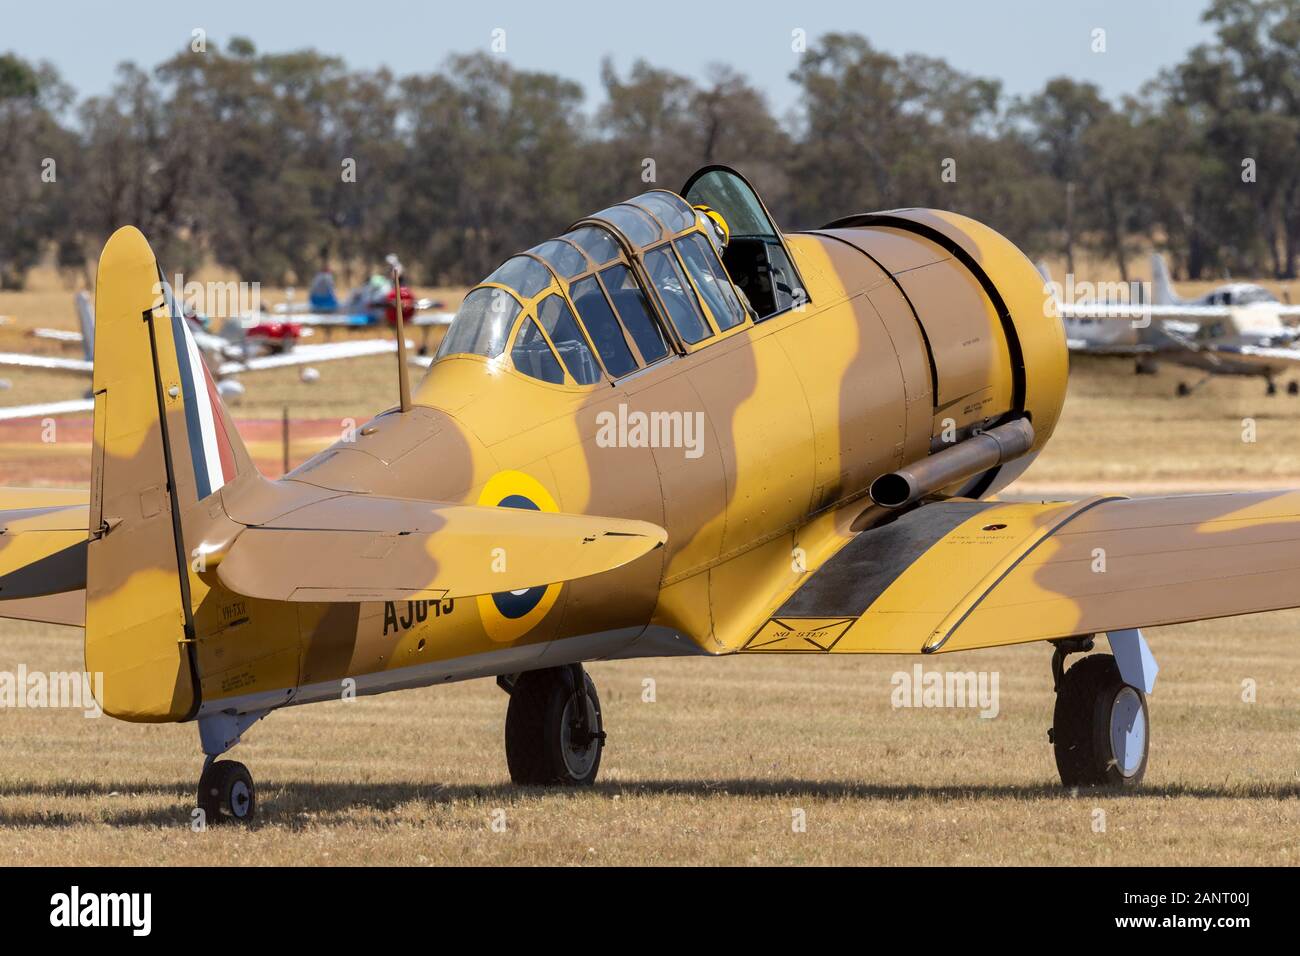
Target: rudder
[{"x": 162, "y": 444}]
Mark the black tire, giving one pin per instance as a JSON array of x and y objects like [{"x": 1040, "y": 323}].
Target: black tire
[
  {"x": 1081, "y": 732},
  {"x": 1183, "y": 390},
  {"x": 540, "y": 750},
  {"x": 226, "y": 793},
  {"x": 1293, "y": 388}
]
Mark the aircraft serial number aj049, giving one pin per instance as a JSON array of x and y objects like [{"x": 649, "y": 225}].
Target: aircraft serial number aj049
[{"x": 862, "y": 390}]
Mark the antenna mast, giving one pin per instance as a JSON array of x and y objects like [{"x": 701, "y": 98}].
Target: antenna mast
[{"x": 403, "y": 375}]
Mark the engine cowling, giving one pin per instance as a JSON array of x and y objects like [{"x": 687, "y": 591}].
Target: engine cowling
[{"x": 996, "y": 350}]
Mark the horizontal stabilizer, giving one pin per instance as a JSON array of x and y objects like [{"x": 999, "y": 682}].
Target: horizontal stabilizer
[
  {"x": 364, "y": 548},
  {"x": 43, "y": 555}
]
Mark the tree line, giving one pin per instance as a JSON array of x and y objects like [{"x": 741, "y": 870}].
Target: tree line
[{"x": 272, "y": 164}]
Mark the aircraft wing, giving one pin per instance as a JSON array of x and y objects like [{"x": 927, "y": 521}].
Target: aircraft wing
[
  {"x": 964, "y": 574},
  {"x": 70, "y": 407},
  {"x": 43, "y": 555},
  {"x": 345, "y": 319},
  {"x": 48, "y": 362},
  {"x": 1086, "y": 347},
  {"x": 1264, "y": 356},
  {"x": 431, "y": 318},
  {"x": 366, "y": 548},
  {"x": 58, "y": 335},
  {"x": 1136, "y": 312},
  {"x": 310, "y": 355}
]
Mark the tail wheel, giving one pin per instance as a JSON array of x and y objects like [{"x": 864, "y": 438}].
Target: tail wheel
[
  {"x": 226, "y": 793},
  {"x": 1101, "y": 729},
  {"x": 549, "y": 740}
]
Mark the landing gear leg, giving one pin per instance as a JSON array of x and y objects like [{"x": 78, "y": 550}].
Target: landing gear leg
[
  {"x": 554, "y": 730},
  {"x": 1100, "y": 728},
  {"x": 1184, "y": 389},
  {"x": 226, "y": 792}
]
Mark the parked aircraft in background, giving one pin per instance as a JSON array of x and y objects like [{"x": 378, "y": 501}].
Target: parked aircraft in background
[
  {"x": 371, "y": 303},
  {"x": 1230, "y": 293},
  {"x": 1237, "y": 329},
  {"x": 238, "y": 350}
]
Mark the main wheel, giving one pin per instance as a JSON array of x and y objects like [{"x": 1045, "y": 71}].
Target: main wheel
[
  {"x": 226, "y": 793},
  {"x": 1101, "y": 729},
  {"x": 546, "y": 742},
  {"x": 1293, "y": 388},
  {"x": 1183, "y": 390}
]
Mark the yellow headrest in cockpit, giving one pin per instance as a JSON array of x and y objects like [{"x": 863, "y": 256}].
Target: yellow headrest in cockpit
[{"x": 721, "y": 229}]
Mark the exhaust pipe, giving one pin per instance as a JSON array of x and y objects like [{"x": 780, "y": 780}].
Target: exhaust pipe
[{"x": 954, "y": 464}]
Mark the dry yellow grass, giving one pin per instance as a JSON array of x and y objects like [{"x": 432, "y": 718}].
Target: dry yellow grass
[{"x": 713, "y": 771}]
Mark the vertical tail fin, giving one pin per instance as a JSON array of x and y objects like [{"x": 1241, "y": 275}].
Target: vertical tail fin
[
  {"x": 1162, "y": 292},
  {"x": 162, "y": 445},
  {"x": 1049, "y": 287},
  {"x": 86, "y": 319}
]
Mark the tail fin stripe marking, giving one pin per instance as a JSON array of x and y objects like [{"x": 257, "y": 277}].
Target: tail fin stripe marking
[
  {"x": 200, "y": 419},
  {"x": 225, "y": 450}
]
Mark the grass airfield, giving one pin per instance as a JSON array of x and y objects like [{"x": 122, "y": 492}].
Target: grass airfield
[{"x": 717, "y": 769}]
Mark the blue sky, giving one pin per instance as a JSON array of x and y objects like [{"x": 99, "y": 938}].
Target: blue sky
[{"x": 1020, "y": 42}]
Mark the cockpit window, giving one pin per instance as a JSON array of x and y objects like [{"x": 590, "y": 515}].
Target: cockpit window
[
  {"x": 482, "y": 324},
  {"x": 639, "y": 228},
  {"x": 525, "y": 275},
  {"x": 672, "y": 211},
  {"x": 602, "y": 326},
  {"x": 532, "y": 356},
  {"x": 632, "y": 308},
  {"x": 559, "y": 323},
  {"x": 705, "y": 269},
  {"x": 1252, "y": 294},
  {"x": 563, "y": 258},
  {"x": 676, "y": 294},
  {"x": 730, "y": 195},
  {"x": 595, "y": 242},
  {"x": 756, "y": 258}
]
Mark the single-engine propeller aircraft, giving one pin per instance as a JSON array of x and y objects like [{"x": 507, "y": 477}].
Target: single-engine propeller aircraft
[
  {"x": 371, "y": 303},
  {"x": 1236, "y": 329},
  {"x": 632, "y": 446}
]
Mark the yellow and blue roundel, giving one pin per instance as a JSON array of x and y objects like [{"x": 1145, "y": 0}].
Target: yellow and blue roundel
[{"x": 509, "y": 615}]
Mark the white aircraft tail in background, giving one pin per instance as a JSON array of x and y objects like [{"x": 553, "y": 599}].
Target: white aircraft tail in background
[{"x": 1162, "y": 288}]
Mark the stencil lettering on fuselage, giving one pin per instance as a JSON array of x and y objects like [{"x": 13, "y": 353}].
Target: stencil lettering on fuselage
[{"x": 398, "y": 618}]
